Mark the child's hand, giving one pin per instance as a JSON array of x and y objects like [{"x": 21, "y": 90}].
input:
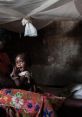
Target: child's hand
[{"x": 15, "y": 72}]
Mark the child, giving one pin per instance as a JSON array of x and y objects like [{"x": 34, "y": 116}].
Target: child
[{"x": 21, "y": 74}]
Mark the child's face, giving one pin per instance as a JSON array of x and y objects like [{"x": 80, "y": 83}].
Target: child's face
[{"x": 20, "y": 64}]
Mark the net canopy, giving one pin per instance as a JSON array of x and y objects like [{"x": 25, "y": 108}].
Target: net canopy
[{"x": 40, "y": 12}]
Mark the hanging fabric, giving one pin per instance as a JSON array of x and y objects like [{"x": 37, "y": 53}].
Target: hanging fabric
[{"x": 30, "y": 30}]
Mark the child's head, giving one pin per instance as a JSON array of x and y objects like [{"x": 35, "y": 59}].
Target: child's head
[{"x": 21, "y": 62}]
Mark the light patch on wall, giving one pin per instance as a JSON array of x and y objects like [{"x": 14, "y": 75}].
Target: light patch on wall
[
  {"x": 67, "y": 26},
  {"x": 50, "y": 59},
  {"x": 67, "y": 52}
]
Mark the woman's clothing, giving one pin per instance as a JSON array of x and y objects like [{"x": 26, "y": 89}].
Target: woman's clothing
[{"x": 4, "y": 63}]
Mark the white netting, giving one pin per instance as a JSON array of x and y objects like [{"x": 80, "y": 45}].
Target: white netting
[{"x": 42, "y": 12}]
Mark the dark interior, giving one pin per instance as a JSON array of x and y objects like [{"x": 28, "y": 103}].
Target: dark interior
[{"x": 55, "y": 58}]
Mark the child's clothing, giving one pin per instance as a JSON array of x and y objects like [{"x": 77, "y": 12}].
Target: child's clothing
[{"x": 24, "y": 80}]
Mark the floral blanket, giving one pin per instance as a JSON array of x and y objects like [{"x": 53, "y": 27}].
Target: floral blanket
[{"x": 21, "y": 103}]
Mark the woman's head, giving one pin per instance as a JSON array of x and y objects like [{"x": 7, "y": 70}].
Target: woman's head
[{"x": 21, "y": 62}]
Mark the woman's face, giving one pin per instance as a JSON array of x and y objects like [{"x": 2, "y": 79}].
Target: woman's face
[{"x": 20, "y": 64}]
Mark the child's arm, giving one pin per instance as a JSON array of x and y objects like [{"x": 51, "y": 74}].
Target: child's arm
[
  {"x": 15, "y": 77},
  {"x": 14, "y": 73}
]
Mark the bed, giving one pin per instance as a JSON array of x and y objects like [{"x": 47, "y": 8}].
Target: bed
[{"x": 21, "y": 103}]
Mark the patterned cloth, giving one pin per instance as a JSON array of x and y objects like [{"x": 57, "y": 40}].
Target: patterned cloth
[{"x": 25, "y": 104}]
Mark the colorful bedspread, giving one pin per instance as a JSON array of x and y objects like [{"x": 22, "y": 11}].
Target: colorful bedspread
[{"x": 21, "y": 103}]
